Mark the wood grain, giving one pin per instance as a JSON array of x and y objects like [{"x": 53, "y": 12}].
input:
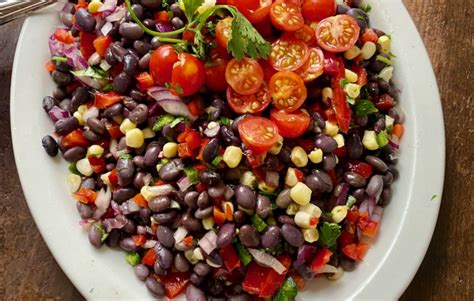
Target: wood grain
[{"x": 29, "y": 272}]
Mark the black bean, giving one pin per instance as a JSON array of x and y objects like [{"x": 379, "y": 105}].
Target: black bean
[
  {"x": 190, "y": 199},
  {"x": 154, "y": 287},
  {"x": 96, "y": 126},
  {"x": 48, "y": 103},
  {"x": 130, "y": 64},
  {"x": 95, "y": 235},
  {"x": 177, "y": 11},
  {"x": 245, "y": 197},
  {"x": 373, "y": 88},
  {"x": 139, "y": 114},
  {"x": 342, "y": 8},
  {"x": 286, "y": 219},
  {"x": 181, "y": 263},
  {"x": 131, "y": 31},
  {"x": 129, "y": 227},
  {"x": 138, "y": 10},
  {"x": 249, "y": 237},
  {"x": 211, "y": 150},
  {"x": 228, "y": 136},
  {"x": 375, "y": 186},
  {"x": 151, "y": 154},
  {"x": 164, "y": 256},
  {"x": 194, "y": 293},
  {"x": 386, "y": 196},
  {"x": 264, "y": 206},
  {"x": 215, "y": 287},
  {"x": 271, "y": 237},
  {"x": 85, "y": 211},
  {"x": 144, "y": 61},
  {"x": 379, "y": 125},
  {"x": 239, "y": 217},
  {"x": 66, "y": 125},
  {"x": 203, "y": 200},
  {"x": 122, "y": 83},
  {"x": 123, "y": 194},
  {"x": 79, "y": 97},
  {"x": 225, "y": 235},
  {"x": 125, "y": 168},
  {"x": 316, "y": 184},
  {"x": 196, "y": 279},
  {"x": 387, "y": 178},
  {"x": 283, "y": 199},
  {"x": 217, "y": 191},
  {"x": 159, "y": 203},
  {"x": 329, "y": 162},
  {"x": 141, "y": 271},
  {"x": 292, "y": 235},
  {"x": 91, "y": 136},
  {"x": 202, "y": 269},
  {"x": 171, "y": 170},
  {"x": 85, "y": 20},
  {"x": 74, "y": 154},
  {"x": 158, "y": 269},
  {"x": 359, "y": 194},
  {"x": 155, "y": 42},
  {"x": 177, "y": 22},
  {"x": 50, "y": 145},
  {"x": 347, "y": 264},
  {"x": 141, "y": 47},
  {"x": 192, "y": 224},
  {"x": 61, "y": 78},
  {"x": 89, "y": 183},
  {"x": 128, "y": 244},
  {"x": 284, "y": 154},
  {"x": 165, "y": 236},
  {"x": 376, "y": 66},
  {"x": 377, "y": 163},
  {"x": 139, "y": 161},
  {"x": 326, "y": 144},
  {"x": 151, "y": 3},
  {"x": 354, "y": 179},
  {"x": 204, "y": 213},
  {"x": 355, "y": 149},
  {"x": 66, "y": 18},
  {"x": 209, "y": 177},
  {"x": 236, "y": 122},
  {"x": 109, "y": 57},
  {"x": 360, "y": 16}
]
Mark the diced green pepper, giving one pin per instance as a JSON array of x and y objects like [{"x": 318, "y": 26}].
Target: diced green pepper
[
  {"x": 259, "y": 223},
  {"x": 287, "y": 291},
  {"x": 162, "y": 121},
  {"x": 244, "y": 254},
  {"x": 382, "y": 138},
  {"x": 133, "y": 258},
  {"x": 192, "y": 174},
  {"x": 73, "y": 169},
  {"x": 225, "y": 121},
  {"x": 216, "y": 161}
]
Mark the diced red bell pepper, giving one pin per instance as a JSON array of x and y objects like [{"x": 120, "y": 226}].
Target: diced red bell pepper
[
  {"x": 184, "y": 151},
  {"x": 85, "y": 195},
  {"x": 87, "y": 43},
  {"x": 175, "y": 283},
  {"x": 63, "y": 36},
  {"x": 144, "y": 81},
  {"x": 139, "y": 239},
  {"x": 97, "y": 164},
  {"x": 340, "y": 105},
  {"x": 347, "y": 237},
  {"x": 255, "y": 160},
  {"x": 200, "y": 167},
  {"x": 195, "y": 107},
  {"x": 307, "y": 144},
  {"x": 113, "y": 177},
  {"x": 219, "y": 216},
  {"x": 320, "y": 260},
  {"x": 81, "y": 4},
  {"x": 114, "y": 130},
  {"x": 274, "y": 280},
  {"x": 191, "y": 137},
  {"x": 75, "y": 138},
  {"x": 139, "y": 200},
  {"x": 230, "y": 257},
  {"x": 50, "y": 67},
  {"x": 149, "y": 258},
  {"x": 371, "y": 229},
  {"x": 369, "y": 35},
  {"x": 106, "y": 99},
  {"x": 188, "y": 241},
  {"x": 360, "y": 168},
  {"x": 363, "y": 220},
  {"x": 352, "y": 216},
  {"x": 200, "y": 187},
  {"x": 101, "y": 44},
  {"x": 330, "y": 115},
  {"x": 355, "y": 251},
  {"x": 341, "y": 152},
  {"x": 161, "y": 16}
]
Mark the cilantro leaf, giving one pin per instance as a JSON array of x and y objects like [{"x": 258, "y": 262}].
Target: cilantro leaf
[
  {"x": 364, "y": 107},
  {"x": 102, "y": 231},
  {"x": 287, "y": 291},
  {"x": 190, "y": 8},
  {"x": 330, "y": 232}
]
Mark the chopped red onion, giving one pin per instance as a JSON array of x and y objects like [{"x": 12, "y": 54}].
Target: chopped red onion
[
  {"x": 56, "y": 113},
  {"x": 328, "y": 269},
  {"x": 96, "y": 83},
  {"x": 115, "y": 223},
  {"x": 267, "y": 260},
  {"x": 305, "y": 254},
  {"x": 102, "y": 202},
  {"x": 208, "y": 242},
  {"x": 75, "y": 58},
  {"x": 161, "y": 189},
  {"x": 117, "y": 15},
  {"x": 180, "y": 234},
  {"x": 115, "y": 208},
  {"x": 377, "y": 214},
  {"x": 108, "y": 6},
  {"x": 184, "y": 183},
  {"x": 154, "y": 109},
  {"x": 272, "y": 178},
  {"x": 228, "y": 192},
  {"x": 149, "y": 244},
  {"x": 164, "y": 26},
  {"x": 106, "y": 28},
  {"x": 171, "y": 103},
  {"x": 141, "y": 229},
  {"x": 342, "y": 197},
  {"x": 212, "y": 129}
]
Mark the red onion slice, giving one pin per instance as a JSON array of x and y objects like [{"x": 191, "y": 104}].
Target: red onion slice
[
  {"x": 267, "y": 260},
  {"x": 184, "y": 183},
  {"x": 208, "y": 242}
]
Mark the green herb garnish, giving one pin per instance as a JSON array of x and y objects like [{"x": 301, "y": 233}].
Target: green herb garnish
[
  {"x": 102, "y": 231},
  {"x": 330, "y": 232},
  {"x": 133, "y": 258},
  {"x": 73, "y": 169},
  {"x": 364, "y": 107}
]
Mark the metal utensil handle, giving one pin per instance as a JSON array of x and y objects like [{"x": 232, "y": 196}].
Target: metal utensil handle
[{"x": 12, "y": 10}]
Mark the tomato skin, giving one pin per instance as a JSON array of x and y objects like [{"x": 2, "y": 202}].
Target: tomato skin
[
  {"x": 355, "y": 251},
  {"x": 87, "y": 43},
  {"x": 188, "y": 75},
  {"x": 316, "y": 10},
  {"x": 286, "y": 16},
  {"x": 314, "y": 66},
  {"x": 161, "y": 63},
  {"x": 256, "y": 12},
  {"x": 244, "y": 76},
  {"x": 268, "y": 70},
  {"x": 338, "y": 33},
  {"x": 305, "y": 34},
  {"x": 290, "y": 94},
  {"x": 74, "y": 138},
  {"x": 243, "y": 104},
  {"x": 174, "y": 283},
  {"x": 320, "y": 260},
  {"x": 384, "y": 102},
  {"x": 360, "y": 168},
  {"x": 224, "y": 31},
  {"x": 265, "y": 28},
  {"x": 105, "y": 100},
  {"x": 101, "y": 44},
  {"x": 258, "y": 133},
  {"x": 215, "y": 75},
  {"x": 288, "y": 54},
  {"x": 144, "y": 81},
  {"x": 291, "y": 125},
  {"x": 63, "y": 36}
]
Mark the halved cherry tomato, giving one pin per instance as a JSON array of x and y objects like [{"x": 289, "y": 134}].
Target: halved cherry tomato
[
  {"x": 264, "y": 28},
  {"x": 188, "y": 75},
  {"x": 316, "y": 10},
  {"x": 254, "y": 10},
  {"x": 105, "y": 100},
  {"x": 286, "y": 16},
  {"x": 63, "y": 36},
  {"x": 161, "y": 63},
  {"x": 290, "y": 125},
  {"x": 215, "y": 75},
  {"x": 305, "y": 34},
  {"x": 259, "y": 134},
  {"x": 338, "y": 33},
  {"x": 101, "y": 44},
  {"x": 314, "y": 66},
  {"x": 355, "y": 251},
  {"x": 244, "y": 76},
  {"x": 288, "y": 54},
  {"x": 268, "y": 70},
  {"x": 254, "y": 103},
  {"x": 287, "y": 90},
  {"x": 224, "y": 31}
]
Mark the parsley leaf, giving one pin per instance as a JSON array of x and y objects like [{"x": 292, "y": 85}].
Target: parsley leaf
[
  {"x": 330, "y": 232},
  {"x": 190, "y": 8},
  {"x": 364, "y": 107}
]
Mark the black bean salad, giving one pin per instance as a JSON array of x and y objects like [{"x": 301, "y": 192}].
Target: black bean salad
[{"x": 235, "y": 150}]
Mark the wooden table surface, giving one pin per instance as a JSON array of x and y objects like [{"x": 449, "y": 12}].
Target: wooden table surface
[{"x": 29, "y": 272}]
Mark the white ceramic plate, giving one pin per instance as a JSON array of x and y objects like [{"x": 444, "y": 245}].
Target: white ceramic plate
[{"x": 406, "y": 227}]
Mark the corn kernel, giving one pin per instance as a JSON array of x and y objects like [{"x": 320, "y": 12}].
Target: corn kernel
[
  {"x": 305, "y": 220},
  {"x": 208, "y": 223},
  {"x": 74, "y": 182},
  {"x": 292, "y": 209},
  {"x": 350, "y": 75},
  {"x": 118, "y": 119},
  {"x": 331, "y": 129},
  {"x": 170, "y": 150},
  {"x": 310, "y": 235},
  {"x": 316, "y": 156},
  {"x": 339, "y": 140},
  {"x": 291, "y": 179},
  {"x": 146, "y": 193},
  {"x": 189, "y": 254},
  {"x": 84, "y": 167},
  {"x": 327, "y": 94},
  {"x": 95, "y": 150},
  {"x": 262, "y": 186},
  {"x": 300, "y": 193},
  {"x": 298, "y": 156},
  {"x": 127, "y": 125},
  {"x": 232, "y": 156},
  {"x": 105, "y": 178},
  {"x": 336, "y": 275},
  {"x": 385, "y": 44},
  {"x": 79, "y": 118},
  {"x": 248, "y": 179},
  {"x": 370, "y": 140},
  {"x": 197, "y": 254},
  {"x": 82, "y": 109},
  {"x": 352, "y": 90},
  {"x": 94, "y": 6},
  {"x": 368, "y": 50},
  {"x": 352, "y": 53},
  {"x": 386, "y": 73},
  {"x": 134, "y": 138},
  {"x": 312, "y": 210},
  {"x": 148, "y": 133},
  {"x": 276, "y": 148},
  {"x": 338, "y": 214}
]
